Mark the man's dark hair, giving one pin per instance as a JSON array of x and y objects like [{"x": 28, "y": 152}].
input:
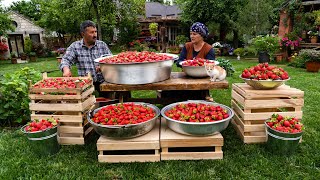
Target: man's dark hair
[{"x": 86, "y": 24}]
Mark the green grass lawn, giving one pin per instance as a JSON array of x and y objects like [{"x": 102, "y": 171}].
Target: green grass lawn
[{"x": 240, "y": 161}]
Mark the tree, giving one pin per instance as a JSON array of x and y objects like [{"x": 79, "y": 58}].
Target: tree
[
  {"x": 222, "y": 12},
  {"x": 5, "y": 21},
  {"x": 29, "y": 9},
  {"x": 63, "y": 17},
  {"x": 127, "y": 13}
]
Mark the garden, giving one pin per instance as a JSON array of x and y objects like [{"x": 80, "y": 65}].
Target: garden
[
  {"x": 254, "y": 116},
  {"x": 240, "y": 160}
]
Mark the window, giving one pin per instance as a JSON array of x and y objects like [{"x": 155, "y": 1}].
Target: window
[{"x": 35, "y": 38}]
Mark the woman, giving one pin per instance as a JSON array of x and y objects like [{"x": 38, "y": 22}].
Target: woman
[{"x": 197, "y": 48}]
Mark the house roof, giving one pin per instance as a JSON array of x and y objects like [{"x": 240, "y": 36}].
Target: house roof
[
  {"x": 155, "y": 9},
  {"x": 303, "y": 2},
  {"x": 25, "y": 18}
]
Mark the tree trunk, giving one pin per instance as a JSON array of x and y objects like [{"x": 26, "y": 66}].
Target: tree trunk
[
  {"x": 62, "y": 40},
  {"x": 235, "y": 39},
  {"x": 95, "y": 7},
  {"x": 223, "y": 33}
]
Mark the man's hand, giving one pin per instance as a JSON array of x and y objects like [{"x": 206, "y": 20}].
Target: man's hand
[{"x": 66, "y": 72}]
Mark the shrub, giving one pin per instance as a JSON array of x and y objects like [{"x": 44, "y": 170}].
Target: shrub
[
  {"x": 268, "y": 43},
  {"x": 27, "y": 45},
  {"x": 226, "y": 65},
  {"x": 181, "y": 39},
  {"x": 14, "y": 100}
]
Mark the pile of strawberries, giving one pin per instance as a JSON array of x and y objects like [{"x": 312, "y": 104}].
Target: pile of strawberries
[
  {"x": 62, "y": 83},
  {"x": 41, "y": 125},
  {"x": 285, "y": 124},
  {"x": 123, "y": 114},
  {"x": 196, "y": 62},
  {"x": 197, "y": 112},
  {"x": 136, "y": 57},
  {"x": 264, "y": 71}
]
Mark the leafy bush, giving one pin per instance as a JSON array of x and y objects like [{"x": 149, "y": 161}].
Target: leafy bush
[
  {"x": 14, "y": 100},
  {"x": 27, "y": 45},
  {"x": 268, "y": 43},
  {"x": 226, "y": 65},
  {"x": 239, "y": 51},
  {"x": 181, "y": 39},
  {"x": 304, "y": 56}
]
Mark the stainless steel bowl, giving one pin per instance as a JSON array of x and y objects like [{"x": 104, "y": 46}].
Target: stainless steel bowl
[
  {"x": 196, "y": 128},
  {"x": 137, "y": 73},
  {"x": 124, "y": 131},
  {"x": 264, "y": 84},
  {"x": 196, "y": 71}
]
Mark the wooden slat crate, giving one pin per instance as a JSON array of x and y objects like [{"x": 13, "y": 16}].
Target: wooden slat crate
[
  {"x": 175, "y": 146},
  {"x": 252, "y": 107},
  {"x": 140, "y": 149},
  {"x": 71, "y": 109}
]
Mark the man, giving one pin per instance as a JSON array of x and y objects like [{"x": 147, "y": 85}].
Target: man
[{"x": 84, "y": 52}]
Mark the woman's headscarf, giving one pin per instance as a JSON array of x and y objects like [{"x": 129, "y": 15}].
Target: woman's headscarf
[{"x": 200, "y": 28}]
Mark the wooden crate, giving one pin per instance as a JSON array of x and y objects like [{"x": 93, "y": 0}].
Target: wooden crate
[
  {"x": 252, "y": 107},
  {"x": 71, "y": 110},
  {"x": 140, "y": 149},
  {"x": 175, "y": 146}
]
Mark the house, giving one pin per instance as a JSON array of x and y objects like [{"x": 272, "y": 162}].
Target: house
[
  {"x": 23, "y": 28},
  {"x": 167, "y": 18}
]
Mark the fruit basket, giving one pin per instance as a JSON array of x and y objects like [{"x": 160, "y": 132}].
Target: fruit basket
[
  {"x": 115, "y": 127},
  {"x": 194, "y": 128},
  {"x": 195, "y": 68},
  {"x": 263, "y": 76},
  {"x": 264, "y": 84},
  {"x": 136, "y": 67}
]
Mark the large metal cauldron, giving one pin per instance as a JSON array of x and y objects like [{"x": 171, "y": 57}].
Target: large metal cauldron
[
  {"x": 124, "y": 131},
  {"x": 196, "y": 128},
  {"x": 137, "y": 73}
]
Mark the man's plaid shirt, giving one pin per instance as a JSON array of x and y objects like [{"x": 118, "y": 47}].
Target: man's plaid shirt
[{"x": 78, "y": 53}]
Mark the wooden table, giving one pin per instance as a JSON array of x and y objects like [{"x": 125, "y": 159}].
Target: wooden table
[{"x": 177, "y": 81}]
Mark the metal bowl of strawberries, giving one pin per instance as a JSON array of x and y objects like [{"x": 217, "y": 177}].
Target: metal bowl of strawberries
[
  {"x": 263, "y": 76},
  {"x": 197, "y": 118},
  {"x": 195, "y": 68},
  {"x": 124, "y": 120}
]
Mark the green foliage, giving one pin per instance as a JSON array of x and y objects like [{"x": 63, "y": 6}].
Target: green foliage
[
  {"x": 304, "y": 56},
  {"x": 181, "y": 39},
  {"x": 310, "y": 55},
  {"x": 239, "y": 51},
  {"x": 153, "y": 27},
  {"x": 128, "y": 24},
  {"x": 27, "y": 8},
  {"x": 226, "y": 64},
  {"x": 317, "y": 17},
  {"x": 14, "y": 100},
  {"x": 5, "y": 21},
  {"x": 13, "y": 54},
  {"x": 27, "y": 45},
  {"x": 268, "y": 43}
]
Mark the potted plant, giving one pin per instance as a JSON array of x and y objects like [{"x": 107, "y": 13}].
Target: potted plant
[
  {"x": 311, "y": 58},
  {"x": 313, "y": 35},
  {"x": 266, "y": 46},
  {"x": 23, "y": 56},
  {"x": 239, "y": 52},
  {"x": 181, "y": 40},
  {"x": 14, "y": 58},
  {"x": 32, "y": 56},
  {"x": 153, "y": 27}
]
